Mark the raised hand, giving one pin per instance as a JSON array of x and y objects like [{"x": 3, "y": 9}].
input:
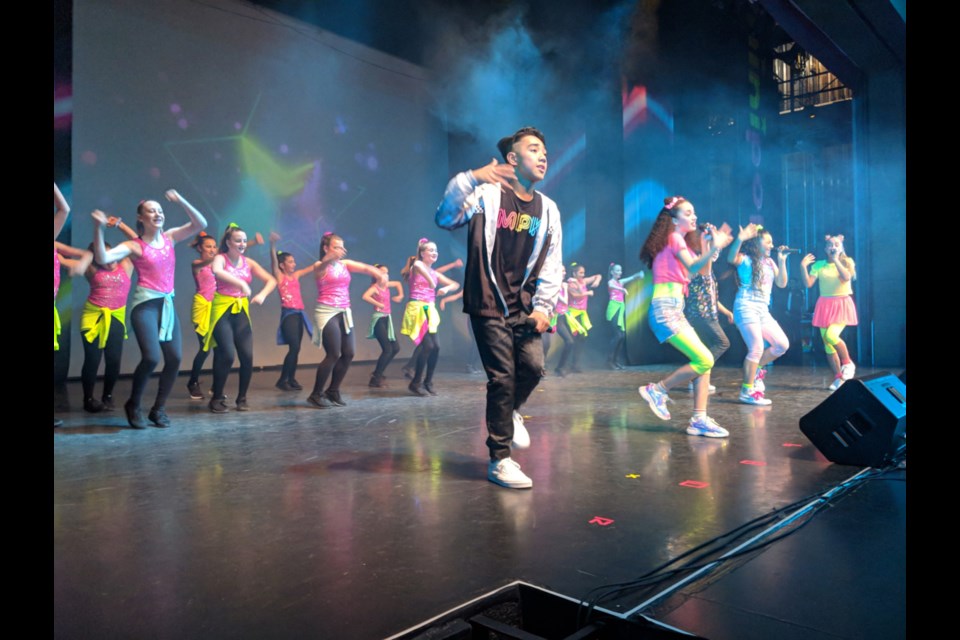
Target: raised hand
[
  {"x": 172, "y": 195},
  {"x": 100, "y": 217},
  {"x": 495, "y": 172},
  {"x": 274, "y": 236},
  {"x": 807, "y": 260}
]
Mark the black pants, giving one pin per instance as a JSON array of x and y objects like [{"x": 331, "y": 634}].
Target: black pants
[
  {"x": 569, "y": 342},
  {"x": 427, "y": 357},
  {"x": 616, "y": 342},
  {"x": 145, "y": 320},
  {"x": 234, "y": 337},
  {"x": 91, "y": 361},
  {"x": 512, "y": 357},
  {"x": 338, "y": 348},
  {"x": 198, "y": 360},
  {"x": 388, "y": 348},
  {"x": 712, "y": 335},
  {"x": 292, "y": 330}
]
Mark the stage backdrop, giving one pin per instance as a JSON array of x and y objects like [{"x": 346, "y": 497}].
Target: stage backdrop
[{"x": 257, "y": 119}]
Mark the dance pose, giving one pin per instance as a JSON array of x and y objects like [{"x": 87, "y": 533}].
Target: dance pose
[
  {"x": 511, "y": 284},
  {"x": 578, "y": 293},
  {"x": 835, "y": 309},
  {"x": 332, "y": 318},
  {"x": 60, "y": 213},
  {"x": 702, "y": 306},
  {"x": 381, "y": 323},
  {"x": 616, "y": 312},
  {"x": 667, "y": 252},
  {"x": 152, "y": 314},
  {"x": 411, "y": 364},
  {"x": 565, "y": 325},
  {"x": 206, "y": 282},
  {"x": 420, "y": 318},
  {"x": 293, "y": 318},
  {"x": 103, "y": 323},
  {"x": 231, "y": 334},
  {"x": 756, "y": 274}
]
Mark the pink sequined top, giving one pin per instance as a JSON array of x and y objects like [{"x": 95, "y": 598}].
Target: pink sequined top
[
  {"x": 383, "y": 297},
  {"x": 420, "y": 288},
  {"x": 242, "y": 271},
  {"x": 109, "y": 288},
  {"x": 333, "y": 289},
  {"x": 155, "y": 267},
  {"x": 56, "y": 272},
  {"x": 578, "y": 303},
  {"x": 562, "y": 302},
  {"x": 289, "y": 288},
  {"x": 206, "y": 281},
  {"x": 616, "y": 294}
]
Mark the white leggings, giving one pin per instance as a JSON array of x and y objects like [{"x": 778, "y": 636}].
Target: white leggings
[{"x": 756, "y": 325}]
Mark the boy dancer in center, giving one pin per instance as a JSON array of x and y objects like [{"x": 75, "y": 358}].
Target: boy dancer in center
[{"x": 511, "y": 284}]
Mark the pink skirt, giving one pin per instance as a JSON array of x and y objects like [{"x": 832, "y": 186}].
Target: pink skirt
[{"x": 834, "y": 310}]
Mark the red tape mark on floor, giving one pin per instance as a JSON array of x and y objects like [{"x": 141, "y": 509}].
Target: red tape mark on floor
[
  {"x": 600, "y": 520},
  {"x": 694, "y": 484},
  {"x": 756, "y": 463}
]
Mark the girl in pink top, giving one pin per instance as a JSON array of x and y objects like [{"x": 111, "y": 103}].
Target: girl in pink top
[
  {"x": 152, "y": 315},
  {"x": 293, "y": 320},
  {"x": 381, "y": 324},
  {"x": 420, "y": 319},
  {"x": 103, "y": 328},
  {"x": 332, "y": 318},
  {"x": 206, "y": 283},
  {"x": 232, "y": 334},
  {"x": 616, "y": 312},
  {"x": 578, "y": 292}
]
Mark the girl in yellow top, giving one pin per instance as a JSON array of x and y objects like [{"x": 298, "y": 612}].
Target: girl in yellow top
[{"x": 835, "y": 309}]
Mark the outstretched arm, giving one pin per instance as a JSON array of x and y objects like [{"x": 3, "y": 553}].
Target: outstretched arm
[
  {"x": 638, "y": 274},
  {"x": 113, "y": 222},
  {"x": 450, "y": 265},
  {"x": 448, "y": 285},
  {"x": 362, "y": 267},
  {"x": 274, "y": 261},
  {"x": 462, "y": 198}
]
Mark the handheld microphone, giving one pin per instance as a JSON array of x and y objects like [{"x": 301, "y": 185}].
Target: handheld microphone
[{"x": 787, "y": 250}]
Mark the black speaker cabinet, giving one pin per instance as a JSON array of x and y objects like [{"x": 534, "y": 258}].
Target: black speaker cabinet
[{"x": 863, "y": 423}]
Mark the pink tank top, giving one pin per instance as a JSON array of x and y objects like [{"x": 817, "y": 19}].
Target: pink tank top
[
  {"x": 616, "y": 295},
  {"x": 242, "y": 271},
  {"x": 578, "y": 303},
  {"x": 420, "y": 287},
  {"x": 667, "y": 266},
  {"x": 562, "y": 302},
  {"x": 109, "y": 288},
  {"x": 383, "y": 297},
  {"x": 333, "y": 289},
  {"x": 56, "y": 272},
  {"x": 155, "y": 267},
  {"x": 289, "y": 289},
  {"x": 206, "y": 281}
]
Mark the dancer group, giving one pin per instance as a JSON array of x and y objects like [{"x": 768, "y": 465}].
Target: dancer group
[{"x": 515, "y": 290}]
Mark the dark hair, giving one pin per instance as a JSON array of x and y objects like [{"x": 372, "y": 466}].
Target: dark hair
[
  {"x": 232, "y": 228},
  {"x": 282, "y": 256},
  {"x": 373, "y": 279},
  {"x": 197, "y": 242},
  {"x": 106, "y": 246},
  {"x": 662, "y": 228},
  {"x": 325, "y": 241},
  {"x": 754, "y": 250},
  {"x": 505, "y": 145}
]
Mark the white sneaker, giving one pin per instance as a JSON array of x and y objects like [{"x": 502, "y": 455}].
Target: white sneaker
[
  {"x": 835, "y": 384},
  {"x": 755, "y": 397},
  {"x": 507, "y": 473},
  {"x": 848, "y": 370},
  {"x": 707, "y": 427},
  {"x": 758, "y": 383},
  {"x": 711, "y": 390},
  {"x": 521, "y": 437}
]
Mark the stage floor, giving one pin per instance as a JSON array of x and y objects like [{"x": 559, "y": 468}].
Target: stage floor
[{"x": 363, "y": 521}]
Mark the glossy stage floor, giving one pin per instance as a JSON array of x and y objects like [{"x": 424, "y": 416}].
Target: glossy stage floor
[{"x": 365, "y": 521}]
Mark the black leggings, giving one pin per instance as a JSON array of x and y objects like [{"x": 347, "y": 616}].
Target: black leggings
[
  {"x": 338, "y": 349},
  {"x": 563, "y": 330},
  {"x": 388, "y": 348},
  {"x": 198, "y": 360},
  {"x": 91, "y": 361},
  {"x": 145, "y": 320},
  {"x": 429, "y": 354},
  {"x": 617, "y": 341},
  {"x": 234, "y": 338},
  {"x": 292, "y": 330}
]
